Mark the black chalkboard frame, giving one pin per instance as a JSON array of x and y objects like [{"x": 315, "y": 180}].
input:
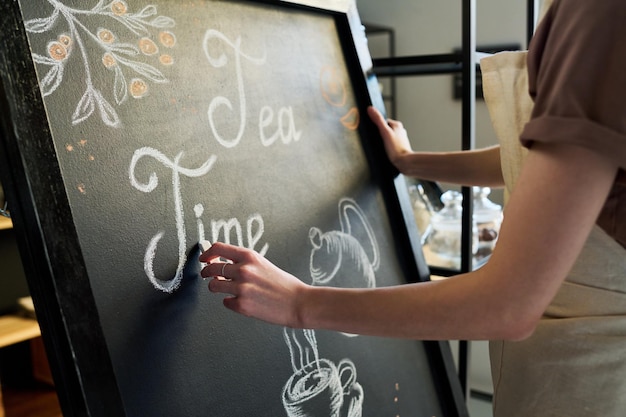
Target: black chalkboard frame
[{"x": 49, "y": 244}]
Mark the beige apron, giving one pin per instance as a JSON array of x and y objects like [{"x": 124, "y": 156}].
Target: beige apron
[{"x": 575, "y": 362}]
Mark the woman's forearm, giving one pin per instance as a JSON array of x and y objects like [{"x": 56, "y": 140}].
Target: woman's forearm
[
  {"x": 479, "y": 167},
  {"x": 428, "y": 311}
]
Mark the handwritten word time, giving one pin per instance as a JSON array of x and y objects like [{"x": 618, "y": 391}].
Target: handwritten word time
[{"x": 285, "y": 131}]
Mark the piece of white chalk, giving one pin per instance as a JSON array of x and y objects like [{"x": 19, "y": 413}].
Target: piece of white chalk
[{"x": 204, "y": 245}]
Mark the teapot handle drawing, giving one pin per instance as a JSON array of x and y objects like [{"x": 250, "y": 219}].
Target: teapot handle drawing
[{"x": 347, "y": 205}]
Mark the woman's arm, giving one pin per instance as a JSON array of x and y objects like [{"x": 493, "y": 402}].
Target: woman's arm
[
  {"x": 545, "y": 226},
  {"x": 476, "y": 167}
]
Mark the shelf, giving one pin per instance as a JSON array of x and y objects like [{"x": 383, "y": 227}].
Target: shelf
[
  {"x": 418, "y": 65},
  {"x": 16, "y": 329},
  {"x": 5, "y": 223},
  {"x": 36, "y": 398},
  {"x": 422, "y": 64}
]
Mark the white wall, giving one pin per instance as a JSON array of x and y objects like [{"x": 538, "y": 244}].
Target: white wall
[{"x": 424, "y": 103}]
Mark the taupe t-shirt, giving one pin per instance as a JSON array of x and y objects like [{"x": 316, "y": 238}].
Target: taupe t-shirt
[{"x": 577, "y": 78}]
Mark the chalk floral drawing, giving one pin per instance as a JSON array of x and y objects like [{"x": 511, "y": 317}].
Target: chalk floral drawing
[{"x": 145, "y": 35}]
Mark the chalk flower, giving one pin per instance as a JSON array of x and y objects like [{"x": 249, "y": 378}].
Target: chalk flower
[
  {"x": 66, "y": 41},
  {"x": 167, "y": 39},
  {"x": 108, "y": 60},
  {"x": 138, "y": 88},
  {"x": 147, "y": 46},
  {"x": 106, "y": 36},
  {"x": 119, "y": 8},
  {"x": 166, "y": 59},
  {"x": 57, "y": 51}
]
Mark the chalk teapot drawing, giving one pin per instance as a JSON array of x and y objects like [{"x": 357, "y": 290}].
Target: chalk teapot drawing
[{"x": 348, "y": 257}]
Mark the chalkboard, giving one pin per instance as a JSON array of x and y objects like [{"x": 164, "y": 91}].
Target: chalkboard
[{"x": 133, "y": 129}]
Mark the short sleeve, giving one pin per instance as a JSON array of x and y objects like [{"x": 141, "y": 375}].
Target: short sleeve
[{"x": 577, "y": 77}]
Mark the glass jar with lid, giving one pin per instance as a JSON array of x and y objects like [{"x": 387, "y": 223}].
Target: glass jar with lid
[
  {"x": 444, "y": 239},
  {"x": 487, "y": 216}
]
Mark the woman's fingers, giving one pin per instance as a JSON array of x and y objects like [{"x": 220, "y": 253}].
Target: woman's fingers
[
  {"x": 223, "y": 286},
  {"x": 379, "y": 120},
  {"x": 254, "y": 286},
  {"x": 392, "y": 131},
  {"x": 215, "y": 268},
  {"x": 222, "y": 250}
]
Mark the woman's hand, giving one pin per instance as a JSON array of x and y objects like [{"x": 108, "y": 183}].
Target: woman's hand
[
  {"x": 256, "y": 287},
  {"x": 476, "y": 167},
  {"x": 394, "y": 136}
]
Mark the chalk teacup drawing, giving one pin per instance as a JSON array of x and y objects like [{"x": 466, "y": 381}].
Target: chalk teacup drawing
[
  {"x": 348, "y": 257},
  {"x": 319, "y": 387}
]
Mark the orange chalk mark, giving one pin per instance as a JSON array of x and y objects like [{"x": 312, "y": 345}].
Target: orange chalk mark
[
  {"x": 147, "y": 46},
  {"x": 57, "y": 51},
  {"x": 108, "y": 60},
  {"x": 351, "y": 119},
  {"x": 119, "y": 8},
  {"x": 166, "y": 59},
  {"x": 138, "y": 88},
  {"x": 167, "y": 39},
  {"x": 106, "y": 36},
  {"x": 332, "y": 88}
]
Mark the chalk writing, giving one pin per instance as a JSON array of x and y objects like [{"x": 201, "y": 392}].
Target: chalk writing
[
  {"x": 286, "y": 129},
  {"x": 174, "y": 165},
  {"x": 223, "y": 101},
  {"x": 116, "y": 55},
  {"x": 255, "y": 227}
]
